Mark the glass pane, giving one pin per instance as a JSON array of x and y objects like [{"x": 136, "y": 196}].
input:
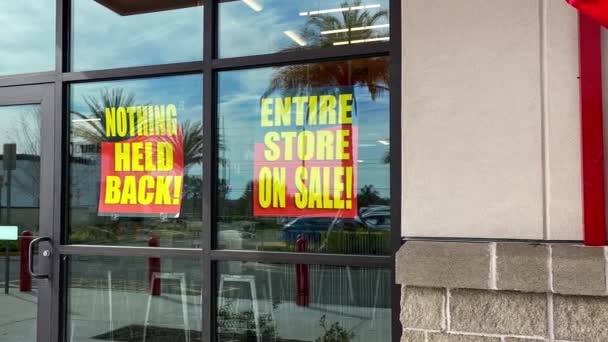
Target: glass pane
[
  {"x": 133, "y": 299},
  {"x": 135, "y": 162},
  {"x": 264, "y": 302},
  {"x": 304, "y": 158},
  {"x": 130, "y": 33},
  {"x": 19, "y": 219},
  {"x": 253, "y": 27},
  {"x": 27, "y": 39}
]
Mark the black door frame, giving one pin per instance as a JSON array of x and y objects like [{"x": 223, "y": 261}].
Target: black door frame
[
  {"x": 43, "y": 95},
  {"x": 54, "y": 196}
]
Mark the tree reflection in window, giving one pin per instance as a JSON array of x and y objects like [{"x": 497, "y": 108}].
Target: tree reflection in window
[
  {"x": 348, "y": 27},
  {"x": 88, "y": 131},
  {"x": 367, "y": 79}
]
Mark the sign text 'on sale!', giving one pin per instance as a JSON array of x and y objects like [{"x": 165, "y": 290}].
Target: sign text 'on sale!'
[{"x": 305, "y": 158}]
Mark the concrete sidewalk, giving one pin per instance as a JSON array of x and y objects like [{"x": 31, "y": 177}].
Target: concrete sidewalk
[{"x": 18, "y": 312}]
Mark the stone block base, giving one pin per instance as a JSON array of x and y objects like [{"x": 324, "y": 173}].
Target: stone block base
[{"x": 511, "y": 293}]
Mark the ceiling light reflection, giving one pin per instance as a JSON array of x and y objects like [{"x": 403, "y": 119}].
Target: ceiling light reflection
[
  {"x": 326, "y": 11},
  {"x": 253, "y": 4},
  {"x": 86, "y": 120},
  {"x": 295, "y": 37},
  {"x": 359, "y": 28},
  {"x": 380, "y": 39},
  {"x": 371, "y": 27},
  {"x": 341, "y": 9},
  {"x": 357, "y": 41},
  {"x": 334, "y": 31},
  {"x": 364, "y": 7}
]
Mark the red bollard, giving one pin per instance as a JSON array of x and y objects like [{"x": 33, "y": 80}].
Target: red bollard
[
  {"x": 302, "y": 283},
  {"x": 25, "y": 278},
  {"x": 154, "y": 268}
]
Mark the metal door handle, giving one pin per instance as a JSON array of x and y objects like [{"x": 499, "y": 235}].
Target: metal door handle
[{"x": 31, "y": 257}]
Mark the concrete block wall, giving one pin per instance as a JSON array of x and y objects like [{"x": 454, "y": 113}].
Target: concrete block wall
[{"x": 502, "y": 292}]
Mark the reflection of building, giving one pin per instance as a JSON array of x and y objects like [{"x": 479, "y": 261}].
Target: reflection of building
[
  {"x": 25, "y": 199},
  {"x": 86, "y": 148},
  {"x": 26, "y": 181}
]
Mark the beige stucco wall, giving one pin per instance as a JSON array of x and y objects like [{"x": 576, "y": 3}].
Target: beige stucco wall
[{"x": 491, "y": 130}]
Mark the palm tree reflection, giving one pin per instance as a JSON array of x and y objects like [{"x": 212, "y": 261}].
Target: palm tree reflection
[
  {"x": 89, "y": 127},
  {"x": 353, "y": 25},
  {"x": 334, "y": 77},
  {"x": 372, "y": 73}
]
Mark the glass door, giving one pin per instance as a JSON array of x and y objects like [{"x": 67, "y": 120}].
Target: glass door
[{"x": 25, "y": 214}]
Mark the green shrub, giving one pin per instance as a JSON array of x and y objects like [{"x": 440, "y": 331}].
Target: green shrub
[
  {"x": 91, "y": 234},
  {"x": 363, "y": 242},
  {"x": 335, "y": 332}
]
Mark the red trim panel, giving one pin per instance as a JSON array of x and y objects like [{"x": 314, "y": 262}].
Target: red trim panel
[{"x": 592, "y": 131}]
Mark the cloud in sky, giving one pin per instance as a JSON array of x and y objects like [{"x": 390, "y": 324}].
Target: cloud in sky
[
  {"x": 103, "y": 39},
  {"x": 27, "y": 39}
]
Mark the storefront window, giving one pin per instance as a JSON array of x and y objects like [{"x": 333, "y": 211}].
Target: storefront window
[
  {"x": 135, "y": 162},
  {"x": 278, "y": 302},
  {"x": 133, "y": 299},
  {"x": 253, "y": 27},
  {"x": 111, "y": 33},
  {"x": 112, "y": 233},
  {"x": 304, "y": 158},
  {"x": 27, "y": 38}
]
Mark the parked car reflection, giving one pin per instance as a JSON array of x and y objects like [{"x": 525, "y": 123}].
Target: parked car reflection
[
  {"x": 378, "y": 216},
  {"x": 312, "y": 227},
  {"x": 339, "y": 235}
]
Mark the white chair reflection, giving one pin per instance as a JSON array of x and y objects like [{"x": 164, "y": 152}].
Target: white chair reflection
[{"x": 182, "y": 286}]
